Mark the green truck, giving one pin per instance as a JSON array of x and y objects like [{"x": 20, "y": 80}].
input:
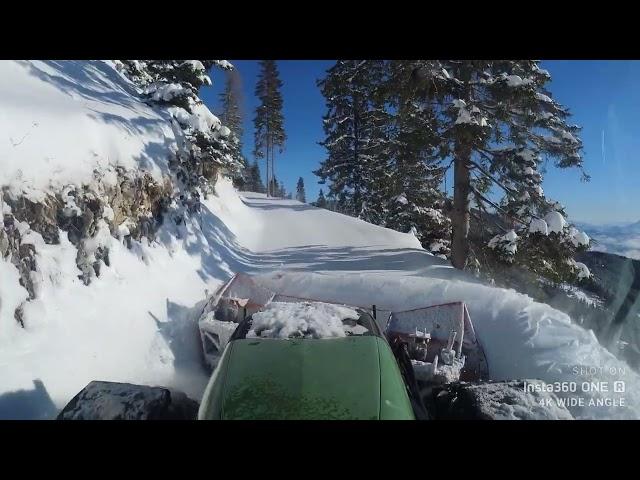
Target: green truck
[{"x": 301, "y": 372}]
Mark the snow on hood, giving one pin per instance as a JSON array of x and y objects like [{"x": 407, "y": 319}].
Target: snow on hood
[{"x": 303, "y": 319}]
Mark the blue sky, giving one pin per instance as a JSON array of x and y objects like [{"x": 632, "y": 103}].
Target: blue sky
[{"x": 604, "y": 96}]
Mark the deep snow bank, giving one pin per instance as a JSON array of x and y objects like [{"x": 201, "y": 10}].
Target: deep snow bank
[{"x": 63, "y": 120}]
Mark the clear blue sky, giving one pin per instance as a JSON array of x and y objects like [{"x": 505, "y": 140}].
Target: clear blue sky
[{"x": 604, "y": 96}]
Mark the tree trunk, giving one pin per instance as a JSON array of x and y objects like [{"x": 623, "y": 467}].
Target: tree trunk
[
  {"x": 268, "y": 180},
  {"x": 460, "y": 214}
]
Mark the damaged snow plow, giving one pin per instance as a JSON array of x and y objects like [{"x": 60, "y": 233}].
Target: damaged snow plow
[{"x": 439, "y": 340}]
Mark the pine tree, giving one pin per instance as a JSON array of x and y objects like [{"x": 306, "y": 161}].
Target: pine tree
[
  {"x": 300, "y": 193},
  {"x": 356, "y": 139},
  {"x": 321, "y": 202},
  {"x": 231, "y": 117},
  {"x": 269, "y": 121},
  {"x": 415, "y": 202},
  {"x": 496, "y": 121},
  {"x": 205, "y": 149},
  {"x": 254, "y": 179},
  {"x": 276, "y": 188}
]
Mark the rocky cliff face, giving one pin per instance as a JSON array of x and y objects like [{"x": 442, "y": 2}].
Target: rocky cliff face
[{"x": 131, "y": 205}]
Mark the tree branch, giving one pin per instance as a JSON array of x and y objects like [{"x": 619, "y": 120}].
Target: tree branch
[
  {"x": 487, "y": 174},
  {"x": 496, "y": 206}
]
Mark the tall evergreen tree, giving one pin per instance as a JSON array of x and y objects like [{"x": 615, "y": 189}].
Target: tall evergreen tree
[
  {"x": 269, "y": 121},
  {"x": 356, "y": 139},
  {"x": 301, "y": 196},
  {"x": 321, "y": 202},
  {"x": 231, "y": 117},
  {"x": 416, "y": 203},
  {"x": 253, "y": 181},
  {"x": 496, "y": 122}
]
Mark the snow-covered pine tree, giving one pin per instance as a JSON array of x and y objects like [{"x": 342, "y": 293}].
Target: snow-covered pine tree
[
  {"x": 205, "y": 149},
  {"x": 269, "y": 121},
  {"x": 321, "y": 202},
  {"x": 301, "y": 196},
  {"x": 231, "y": 117},
  {"x": 416, "y": 203},
  {"x": 497, "y": 121},
  {"x": 356, "y": 139},
  {"x": 254, "y": 179}
]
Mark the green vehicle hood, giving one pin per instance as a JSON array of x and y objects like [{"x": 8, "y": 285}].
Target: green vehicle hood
[{"x": 336, "y": 378}]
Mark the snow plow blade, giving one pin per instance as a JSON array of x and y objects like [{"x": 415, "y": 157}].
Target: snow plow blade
[
  {"x": 232, "y": 302},
  {"x": 446, "y": 327}
]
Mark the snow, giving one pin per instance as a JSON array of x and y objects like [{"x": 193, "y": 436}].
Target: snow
[
  {"x": 583, "y": 270},
  {"x": 61, "y": 120},
  {"x": 509, "y": 401},
  {"x": 544, "y": 98},
  {"x": 539, "y": 225},
  {"x": 195, "y": 65},
  {"x": 506, "y": 242},
  {"x": 555, "y": 221},
  {"x": 402, "y": 199},
  {"x": 517, "y": 81},
  {"x": 302, "y": 319},
  {"x": 166, "y": 92},
  {"x": 201, "y": 119},
  {"x": 137, "y": 322},
  {"x": 578, "y": 238}
]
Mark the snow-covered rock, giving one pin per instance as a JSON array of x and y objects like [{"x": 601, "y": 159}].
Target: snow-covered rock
[
  {"x": 123, "y": 401},
  {"x": 508, "y": 400}
]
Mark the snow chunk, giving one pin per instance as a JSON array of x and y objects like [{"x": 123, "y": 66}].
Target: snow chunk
[
  {"x": 108, "y": 213},
  {"x": 225, "y": 65},
  {"x": 543, "y": 98},
  {"x": 555, "y": 221},
  {"x": 578, "y": 238},
  {"x": 166, "y": 92},
  {"x": 402, "y": 199},
  {"x": 506, "y": 242},
  {"x": 224, "y": 131},
  {"x": 201, "y": 119},
  {"x": 517, "y": 81},
  {"x": 305, "y": 319},
  {"x": 539, "y": 225},
  {"x": 196, "y": 65},
  {"x": 583, "y": 270},
  {"x": 528, "y": 155}
]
